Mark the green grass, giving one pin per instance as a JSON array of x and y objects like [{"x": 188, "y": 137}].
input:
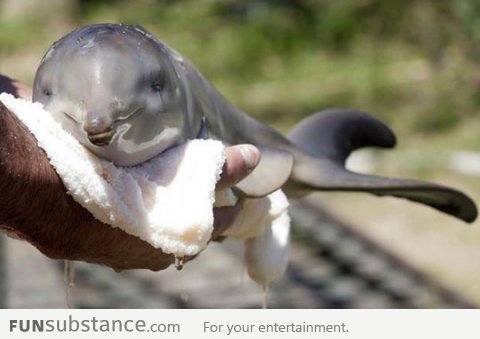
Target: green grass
[
  {"x": 282, "y": 63},
  {"x": 18, "y": 33}
]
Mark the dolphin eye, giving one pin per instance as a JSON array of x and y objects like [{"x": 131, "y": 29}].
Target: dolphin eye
[
  {"x": 158, "y": 84},
  {"x": 47, "y": 92}
]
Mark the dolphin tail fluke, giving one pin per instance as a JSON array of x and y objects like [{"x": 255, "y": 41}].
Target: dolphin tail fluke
[{"x": 330, "y": 136}]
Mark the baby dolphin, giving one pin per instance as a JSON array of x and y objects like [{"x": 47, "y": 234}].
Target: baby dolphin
[{"x": 127, "y": 96}]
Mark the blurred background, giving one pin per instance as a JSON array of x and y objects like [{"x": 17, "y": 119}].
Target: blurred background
[{"x": 414, "y": 64}]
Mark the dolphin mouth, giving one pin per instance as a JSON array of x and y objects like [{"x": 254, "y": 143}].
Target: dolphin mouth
[
  {"x": 70, "y": 117},
  {"x": 129, "y": 115},
  {"x": 101, "y": 139}
]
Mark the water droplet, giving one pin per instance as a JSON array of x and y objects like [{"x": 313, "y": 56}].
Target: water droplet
[
  {"x": 179, "y": 263},
  {"x": 184, "y": 296}
]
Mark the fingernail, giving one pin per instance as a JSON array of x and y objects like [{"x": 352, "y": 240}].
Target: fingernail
[{"x": 250, "y": 154}]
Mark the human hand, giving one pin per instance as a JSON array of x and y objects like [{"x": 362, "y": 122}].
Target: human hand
[
  {"x": 34, "y": 206},
  {"x": 15, "y": 88}
]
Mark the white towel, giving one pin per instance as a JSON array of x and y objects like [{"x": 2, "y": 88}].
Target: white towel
[{"x": 167, "y": 201}]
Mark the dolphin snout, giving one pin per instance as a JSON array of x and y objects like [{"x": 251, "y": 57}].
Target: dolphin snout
[{"x": 99, "y": 131}]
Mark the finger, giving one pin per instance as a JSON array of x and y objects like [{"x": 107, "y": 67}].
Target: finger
[
  {"x": 15, "y": 88},
  {"x": 241, "y": 160}
]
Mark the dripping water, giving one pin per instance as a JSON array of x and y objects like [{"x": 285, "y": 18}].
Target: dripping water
[
  {"x": 266, "y": 292},
  {"x": 68, "y": 276},
  {"x": 179, "y": 263}
]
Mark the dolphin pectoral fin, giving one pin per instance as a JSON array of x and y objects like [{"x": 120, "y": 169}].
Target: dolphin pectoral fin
[
  {"x": 329, "y": 137},
  {"x": 272, "y": 171}
]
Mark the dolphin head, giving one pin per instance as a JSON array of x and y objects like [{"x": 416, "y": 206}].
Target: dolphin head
[{"x": 116, "y": 89}]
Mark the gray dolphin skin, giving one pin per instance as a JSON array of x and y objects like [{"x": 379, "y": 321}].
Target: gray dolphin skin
[{"x": 127, "y": 96}]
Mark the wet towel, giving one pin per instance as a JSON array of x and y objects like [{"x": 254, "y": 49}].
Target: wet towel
[{"x": 167, "y": 201}]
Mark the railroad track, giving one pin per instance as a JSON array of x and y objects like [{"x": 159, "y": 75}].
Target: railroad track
[{"x": 331, "y": 266}]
